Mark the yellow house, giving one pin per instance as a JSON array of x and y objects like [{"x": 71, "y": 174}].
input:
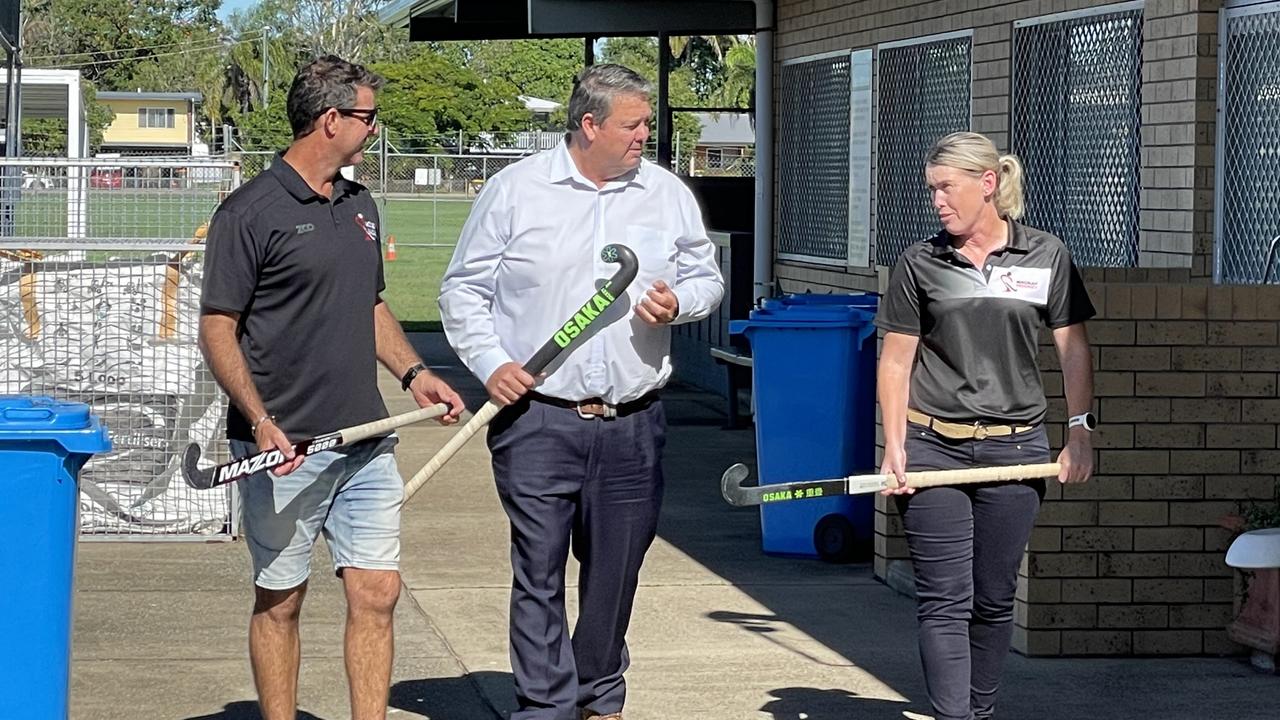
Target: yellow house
[{"x": 150, "y": 123}]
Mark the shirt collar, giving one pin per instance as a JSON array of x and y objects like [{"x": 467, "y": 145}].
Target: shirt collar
[
  {"x": 297, "y": 187},
  {"x": 562, "y": 168},
  {"x": 941, "y": 243}
]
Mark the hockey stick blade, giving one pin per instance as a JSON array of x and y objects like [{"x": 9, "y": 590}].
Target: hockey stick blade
[
  {"x": 244, "y": 467},
  {"x": 562, "y": 342},
  {"x": 739, "y": 495}
]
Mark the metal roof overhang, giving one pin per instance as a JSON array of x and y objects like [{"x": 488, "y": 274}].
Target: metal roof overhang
[{"x": 521, "y": 19}]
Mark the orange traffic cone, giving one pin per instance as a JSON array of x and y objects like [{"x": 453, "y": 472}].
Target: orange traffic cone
[{"x": 391, "y": 248}]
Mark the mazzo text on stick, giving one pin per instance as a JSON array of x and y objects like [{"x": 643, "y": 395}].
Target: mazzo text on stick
[{"x": 270, "y": 459}]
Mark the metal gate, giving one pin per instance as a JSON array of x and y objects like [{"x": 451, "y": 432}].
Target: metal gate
[
  {"x": 1246, "y": 212},
  {"x": 100, "y": 269}
]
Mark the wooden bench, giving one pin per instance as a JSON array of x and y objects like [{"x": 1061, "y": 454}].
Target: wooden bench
[{"x": 732, "y": 359}]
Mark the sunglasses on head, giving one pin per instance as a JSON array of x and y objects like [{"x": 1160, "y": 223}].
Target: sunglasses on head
[{"x": 368, "y": 116}]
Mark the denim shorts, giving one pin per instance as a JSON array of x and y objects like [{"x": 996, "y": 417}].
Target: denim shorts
[{"x": 353, "y": 494}]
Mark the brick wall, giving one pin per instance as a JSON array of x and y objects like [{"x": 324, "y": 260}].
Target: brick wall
[{"x": 1186, "y": 387}]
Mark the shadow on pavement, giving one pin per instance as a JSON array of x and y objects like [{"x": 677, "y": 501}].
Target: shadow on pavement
[
  {"x": 437, "y": 698},
  {"x": 802, "y": 703},
  {"x": 246, "y": 710}
]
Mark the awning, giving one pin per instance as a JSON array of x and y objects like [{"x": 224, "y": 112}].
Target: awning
[{"x": 523, "y": 19}]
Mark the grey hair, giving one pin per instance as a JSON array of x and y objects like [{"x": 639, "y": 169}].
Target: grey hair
[
  {"x": 326, "y": 82},
  {"x": 976, "y": 154},
  {"x": 598, "y": 86}
]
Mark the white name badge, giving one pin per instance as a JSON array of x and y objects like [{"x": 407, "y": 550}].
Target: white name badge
[{"x": 1021, "y": 283}]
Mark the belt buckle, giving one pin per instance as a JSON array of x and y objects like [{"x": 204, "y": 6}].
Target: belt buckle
[
  {"x": 980, "y": 431},
  {"x": 607, "y": 411}
]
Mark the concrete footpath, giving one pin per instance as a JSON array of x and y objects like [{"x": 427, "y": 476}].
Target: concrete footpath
[{"x": 720, "y": 631}]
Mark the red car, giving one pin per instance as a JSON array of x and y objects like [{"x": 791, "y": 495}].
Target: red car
[{"x": 106, "y": 177}]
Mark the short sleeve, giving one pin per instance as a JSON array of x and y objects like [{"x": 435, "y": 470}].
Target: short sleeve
[
  {"x": 900, "y": 307},
  {"x": 1069, "y": 302},
  {"x": 232, "y": 260},
  {"x": 380, "y": 280}
]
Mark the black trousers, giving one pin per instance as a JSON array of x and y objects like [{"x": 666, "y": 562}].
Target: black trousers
[
  {"x": 966, "y": 543},
  {"x": 594, "y": 486}
]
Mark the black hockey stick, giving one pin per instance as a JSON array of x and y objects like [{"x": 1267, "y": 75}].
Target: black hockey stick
[
  {"x": 740, "y": 495},
  {"x": 244, "y": 467},
  {"x": 559, "y": 343}
]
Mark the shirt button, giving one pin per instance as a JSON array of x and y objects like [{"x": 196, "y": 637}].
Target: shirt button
[{"x": 988, "y": 267}]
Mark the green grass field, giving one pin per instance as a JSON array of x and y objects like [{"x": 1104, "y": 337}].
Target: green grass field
[{"x": 413, "y": 280}]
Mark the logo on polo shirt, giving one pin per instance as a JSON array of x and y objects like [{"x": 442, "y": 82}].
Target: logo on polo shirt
[
  {"x": 304, "y": 228},
  {"x": 368, "y": 227},
  {"x": 1021, "y": 283}
]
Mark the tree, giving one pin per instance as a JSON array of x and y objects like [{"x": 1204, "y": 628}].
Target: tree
[
  {"x": 346, "y": 28},
  {"x": 431, "y": 95},
  {"x": 121, "y": 45},
  {"x": 113, "y": 42},
  {"x": 538, "y": 68}
]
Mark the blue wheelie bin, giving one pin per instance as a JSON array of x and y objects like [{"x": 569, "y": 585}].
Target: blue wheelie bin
[
  {"x": 43, "y": 445},
  {"x": 814, "y": 388}
]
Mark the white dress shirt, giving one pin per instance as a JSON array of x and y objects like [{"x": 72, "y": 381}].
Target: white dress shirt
[{"x": 529, "y": 257}]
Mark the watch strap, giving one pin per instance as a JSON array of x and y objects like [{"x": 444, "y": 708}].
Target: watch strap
[{"x": 410, "y": 374}]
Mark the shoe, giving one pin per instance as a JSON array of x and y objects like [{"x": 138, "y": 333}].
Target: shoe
[{"x": 590, "y": 715}]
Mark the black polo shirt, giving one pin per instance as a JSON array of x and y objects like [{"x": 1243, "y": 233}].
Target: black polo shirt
[
  {"x": 979, "y": 327},
  {"x": 304, "y": 274}
]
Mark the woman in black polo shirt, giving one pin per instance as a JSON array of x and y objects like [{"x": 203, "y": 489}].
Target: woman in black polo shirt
[{"x": 959, "y": 386}]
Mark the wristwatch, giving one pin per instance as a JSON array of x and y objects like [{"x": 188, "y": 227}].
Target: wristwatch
[
  {"x": 410, "y": 374},
  {"x": 1085, "y": 420}
]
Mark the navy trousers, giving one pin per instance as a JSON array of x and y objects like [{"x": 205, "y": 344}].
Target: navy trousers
[
  {"x": 966, "y": 543},
  {"x": 593, "y": 486}
]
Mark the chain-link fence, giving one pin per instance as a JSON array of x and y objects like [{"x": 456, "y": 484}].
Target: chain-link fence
[
  {"x": 1248, "y": 216},
  {"x": 1076, "y": 118},
  {"x": 425, "y": 185},
  {"x": 100, "y": 272},
  {"x": 923, "y": 94},
  {"x": 119, "y": 200},
  {"x": 813, "y": 158}
]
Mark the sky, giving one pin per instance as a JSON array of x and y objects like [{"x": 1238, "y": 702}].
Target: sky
[{"x": 230, "y": 6}]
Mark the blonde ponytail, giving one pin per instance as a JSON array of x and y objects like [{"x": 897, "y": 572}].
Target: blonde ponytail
[{"x": 1009, "y": 188}]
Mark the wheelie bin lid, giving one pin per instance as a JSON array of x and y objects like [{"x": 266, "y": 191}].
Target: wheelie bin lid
[
  {"x": 864, "y": 300},
  {"x": 39, "y": 417},
  {"x": 804, "y": 316}
]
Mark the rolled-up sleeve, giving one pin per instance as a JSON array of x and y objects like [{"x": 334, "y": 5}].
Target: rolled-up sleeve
[
  {"x": 467, "y": 290},
  {"x": 699, "y": 284}
]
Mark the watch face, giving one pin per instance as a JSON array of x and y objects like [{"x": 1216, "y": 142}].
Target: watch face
[{"x": 1090, "y": 422}]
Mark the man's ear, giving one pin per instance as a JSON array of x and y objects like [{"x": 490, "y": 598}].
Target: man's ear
[{"x": 589, "y": 126}]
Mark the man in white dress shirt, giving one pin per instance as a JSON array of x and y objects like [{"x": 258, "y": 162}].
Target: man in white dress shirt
[{"x": 578, "y": 460}]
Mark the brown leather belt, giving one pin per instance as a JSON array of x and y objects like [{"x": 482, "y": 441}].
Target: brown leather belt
[
  {"x": 598, "y": 408},
  {"x": 964, "y": 431}
]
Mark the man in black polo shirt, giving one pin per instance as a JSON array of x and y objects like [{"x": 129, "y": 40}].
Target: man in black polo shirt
[{"x": 292, "y": 326}]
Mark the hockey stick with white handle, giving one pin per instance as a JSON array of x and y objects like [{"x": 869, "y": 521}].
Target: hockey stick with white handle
[
  {"x": 244, "y": 467},
  {"x": 740, "y": 495}
]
